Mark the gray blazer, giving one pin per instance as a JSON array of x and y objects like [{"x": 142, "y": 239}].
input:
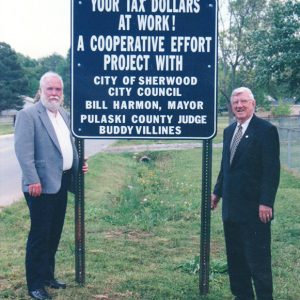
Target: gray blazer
[{"x": 38, "y": 150}]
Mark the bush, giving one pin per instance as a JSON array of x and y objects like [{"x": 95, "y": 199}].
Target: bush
[{"x": 282, "y": 109}]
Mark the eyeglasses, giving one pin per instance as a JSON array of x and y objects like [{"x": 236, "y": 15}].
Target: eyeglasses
[{"x": 242, "y": 101}]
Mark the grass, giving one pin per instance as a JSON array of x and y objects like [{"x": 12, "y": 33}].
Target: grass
[
  {"x": 6, "y": 129},
  {"x": 142, "y": 233}
]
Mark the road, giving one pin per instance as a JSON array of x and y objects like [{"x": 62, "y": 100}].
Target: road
[{"x": 10, "y": 172}]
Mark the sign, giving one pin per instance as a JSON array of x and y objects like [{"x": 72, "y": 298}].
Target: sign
[{"x": 144, "y": 69}]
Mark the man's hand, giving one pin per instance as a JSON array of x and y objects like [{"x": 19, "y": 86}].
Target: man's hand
[
  {"x": 85, "y": 166},
  {"x": 35, "y": 189},
  {"x": 214, "y": 199},
  {"x": 265, "y": 213}
]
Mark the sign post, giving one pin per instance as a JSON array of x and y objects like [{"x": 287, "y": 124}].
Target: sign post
[
  {"x": 205, "y": 217},
  {"x": 79, "y": 218}
]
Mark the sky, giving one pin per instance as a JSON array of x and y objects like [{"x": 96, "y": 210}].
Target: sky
[{"x": 36, "y": 28}]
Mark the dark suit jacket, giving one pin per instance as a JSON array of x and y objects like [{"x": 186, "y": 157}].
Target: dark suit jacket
[
  {"x": 38, "y": 151},
  {"x": 253, "y": 177}
]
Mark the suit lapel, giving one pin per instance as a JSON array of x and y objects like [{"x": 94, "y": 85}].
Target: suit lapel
[{"x": 48, "y": 125}]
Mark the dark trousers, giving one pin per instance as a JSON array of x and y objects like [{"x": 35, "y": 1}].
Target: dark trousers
[
  {"x": 47, "y": 214},
  {"x": 248, "y": 248}
]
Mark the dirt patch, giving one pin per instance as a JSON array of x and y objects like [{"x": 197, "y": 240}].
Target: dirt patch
[
  {"x": 114, "y": 296},
  {"x": 130, "y": 235}
]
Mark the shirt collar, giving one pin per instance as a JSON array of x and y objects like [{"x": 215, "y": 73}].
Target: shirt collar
[
  {"x": 52, "y": 114},
  {"x": 245, "y": 124}
]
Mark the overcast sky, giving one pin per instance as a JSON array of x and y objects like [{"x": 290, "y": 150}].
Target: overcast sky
[{"x": 36, "y": 28}]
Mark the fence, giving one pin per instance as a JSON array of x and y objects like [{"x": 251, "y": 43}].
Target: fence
[{"x": 289, "y": 135}]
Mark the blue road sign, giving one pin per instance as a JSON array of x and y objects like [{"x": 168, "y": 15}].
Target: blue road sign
[{"x": 144, "y": 69}]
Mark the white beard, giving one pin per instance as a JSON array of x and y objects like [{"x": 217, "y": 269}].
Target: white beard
[{"x": 51, "y": 105}]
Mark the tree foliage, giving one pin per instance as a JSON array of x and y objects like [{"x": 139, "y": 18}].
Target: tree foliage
[
  {"x": 20, "y": 75},
  {"x": 237, "y": 24},
  {"x": 259, "y": 48},
  {"x": 259, "y": 42},
  {"x": 13, "y": 82},
  {"x": 282, "y": 109},
  {"x": 276, "y": 50},
  {"x": 30, "y": 67}
]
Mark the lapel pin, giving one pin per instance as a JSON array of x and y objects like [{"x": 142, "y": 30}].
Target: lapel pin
[{"x": 246, "y": 136}]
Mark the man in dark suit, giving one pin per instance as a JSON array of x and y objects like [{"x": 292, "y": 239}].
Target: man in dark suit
[
  {"x": 248, "y": 182},
  {"x": 48, "y": 159}
]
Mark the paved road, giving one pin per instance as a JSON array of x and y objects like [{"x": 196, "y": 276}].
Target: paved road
[{"x": 10, "y": 172}]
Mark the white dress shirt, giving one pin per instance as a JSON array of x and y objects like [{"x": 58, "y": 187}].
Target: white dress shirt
[
  {"x": 64, "y": 138},
  {"x": 244, "y": 128}
]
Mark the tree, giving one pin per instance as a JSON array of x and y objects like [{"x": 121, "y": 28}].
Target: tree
[
  {"x": 66, "y": 75},
  {"x": 32, "y": 71},
  {"x": 54, "y": 62},
  {"x": 276, "y": 50},
  {"x": 20, "y": 75},
  {"x": 237, "y": 24},
  {"x": 13, "y": 82},
  {"x": 282, "y": 109}
]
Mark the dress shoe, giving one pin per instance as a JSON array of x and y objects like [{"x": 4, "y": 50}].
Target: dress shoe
[
  {"x": 55, "y": 284},
  {"x": 39, "y": 294}
]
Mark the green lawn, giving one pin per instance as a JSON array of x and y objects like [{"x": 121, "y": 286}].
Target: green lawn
[
  {"x": 6, "y": 129},
  {"x": 142, "y": 233}
]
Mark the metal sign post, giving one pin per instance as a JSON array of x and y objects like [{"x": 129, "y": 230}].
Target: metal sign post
[
  {"x": 205, "y": 217},
  {"x": 79, "y": 218}
]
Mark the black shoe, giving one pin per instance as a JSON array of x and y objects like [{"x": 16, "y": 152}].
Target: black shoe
[
  {"x": 55, "y": 284},
  {"x": 39, "y": 294}
]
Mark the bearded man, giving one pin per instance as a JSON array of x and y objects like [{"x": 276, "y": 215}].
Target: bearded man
[{"x": 49, "y": 160}]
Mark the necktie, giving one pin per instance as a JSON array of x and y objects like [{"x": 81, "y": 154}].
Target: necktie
[{"x": 236, "y": 140}]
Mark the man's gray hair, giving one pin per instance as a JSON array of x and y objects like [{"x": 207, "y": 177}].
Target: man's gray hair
[
  {"x": 48, "y": 75},
  {"x": 241, "y": 90}
]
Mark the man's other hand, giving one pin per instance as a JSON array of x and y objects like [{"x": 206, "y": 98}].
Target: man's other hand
[
  {"x": 214, "y": 200},
  {"x": 35, "y": 189}
]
